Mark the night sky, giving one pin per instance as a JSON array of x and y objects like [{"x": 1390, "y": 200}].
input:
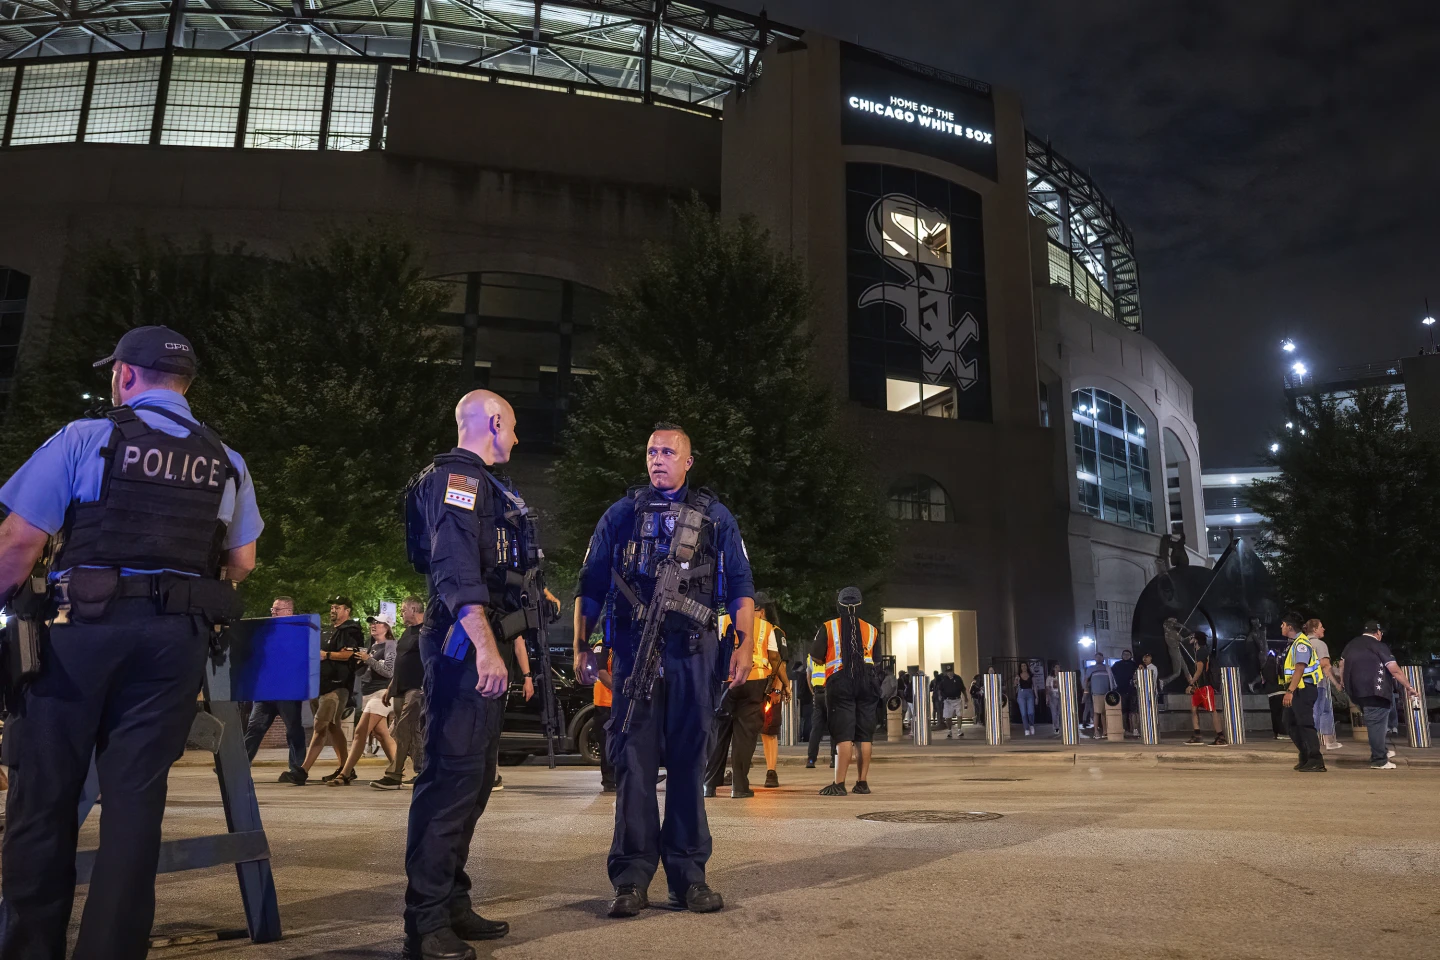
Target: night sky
[{"x": 1275, "y": 161}]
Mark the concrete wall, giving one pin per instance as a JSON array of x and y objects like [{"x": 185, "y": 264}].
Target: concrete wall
[
  {"x": 487, "y": 176},
  {"x": 1004, "y": 556}
]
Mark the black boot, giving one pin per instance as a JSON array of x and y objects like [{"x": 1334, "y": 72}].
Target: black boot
[
  {"x": 698, "y": 898},
  {"x": 442, "y": 944},
  {"x": 629, "y": 901},
  {"x": 469, "y": 925}
]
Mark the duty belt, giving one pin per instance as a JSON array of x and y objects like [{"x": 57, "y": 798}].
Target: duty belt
[{"x": 131, "y": 586}]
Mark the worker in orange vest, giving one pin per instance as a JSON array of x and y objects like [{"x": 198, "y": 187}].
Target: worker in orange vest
[
  {"x": 603, "y": 699},
  {"x": 742, "y": 712},
  {"x": 846, "y": 645}
]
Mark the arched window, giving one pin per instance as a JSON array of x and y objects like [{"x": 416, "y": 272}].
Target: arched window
[
  {"x": 1112, "y": 463},
  {"x": 918, "y": 497}
]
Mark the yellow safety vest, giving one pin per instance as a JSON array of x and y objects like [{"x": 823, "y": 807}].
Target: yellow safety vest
[
  {"x": 834, "y": 658},
  {"x": 763, "y": 629},
  {"x": 817, "y": 672},
  {"x": 1312, "y": 674}
]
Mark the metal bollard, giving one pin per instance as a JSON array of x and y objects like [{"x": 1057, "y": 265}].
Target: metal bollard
[
  {"x": 920, "y": 722},
  {"x": 1069, "y": 718},
  {"x": 997, "y": 716},
  {"x": 1232, "y": 701},
  {"x": 1417, "y": 715},
  {"x": 1147, "y": 694},
  {"x": 790, "y": 719}
]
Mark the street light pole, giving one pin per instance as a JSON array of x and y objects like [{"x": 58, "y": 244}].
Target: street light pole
[{"x": 1429, "y": 322}]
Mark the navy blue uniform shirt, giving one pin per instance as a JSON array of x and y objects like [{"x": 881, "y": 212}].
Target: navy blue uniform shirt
[
  {"x": 457, "y": 502},
  {"x": 617, "y": 526}
]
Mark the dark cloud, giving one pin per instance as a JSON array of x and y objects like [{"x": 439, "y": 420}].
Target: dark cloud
[{"x": 1273, "y": 159}]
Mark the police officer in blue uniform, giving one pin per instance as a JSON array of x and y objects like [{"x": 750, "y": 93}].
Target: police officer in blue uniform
[
  {"x": 150, "y": 521},
  {"x": 673, "y": 727},
  {"x": 471, "y": 536}
]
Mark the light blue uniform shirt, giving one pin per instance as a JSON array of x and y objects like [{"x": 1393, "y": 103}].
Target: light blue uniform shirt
[{"x": 69, "y": 468}]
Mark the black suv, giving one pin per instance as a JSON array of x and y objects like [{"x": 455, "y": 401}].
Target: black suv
[{"x": 523, "y": 735}]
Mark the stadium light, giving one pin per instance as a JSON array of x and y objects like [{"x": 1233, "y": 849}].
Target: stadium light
[
  {"x": 1299, "y": 368},
  {"x": 1287, "y": 345}
]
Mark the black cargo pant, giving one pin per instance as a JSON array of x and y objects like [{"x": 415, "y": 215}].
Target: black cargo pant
[
  {"x": 819, "y": 725},
  {"x": 462, "y": 750},
  {"x": 1300, "y": 724},
  {"x": 123, "y": 690},
  {"x": 742, "y": 726}
]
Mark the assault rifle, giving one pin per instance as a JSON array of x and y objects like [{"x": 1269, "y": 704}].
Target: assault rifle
[{"x": 672, "y": 580}]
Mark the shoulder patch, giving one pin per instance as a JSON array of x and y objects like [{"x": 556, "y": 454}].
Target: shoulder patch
[{"x": 460, "y": 491}]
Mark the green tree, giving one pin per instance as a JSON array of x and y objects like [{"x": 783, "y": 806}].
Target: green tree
[
  {"x": 314, "y": 368},
  {"x": 709, "y": 331},
  {"x": 1354, "y": 519}
]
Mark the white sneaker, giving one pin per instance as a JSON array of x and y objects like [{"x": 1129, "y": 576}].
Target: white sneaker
[
  {"x": 1387, "y": 765},
  {"x": 1389, "y": 752},
  {"x": 1337, "y": 745}
]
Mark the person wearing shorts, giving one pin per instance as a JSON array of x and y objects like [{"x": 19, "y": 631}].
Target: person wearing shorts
[
  {"x": 952, "y": 701},
  {"x": 1202, "y": 692},
  {"x": 375, "y": 711},
  {"x": 337, "y": 673},
  {"x": 852, "y": 691}
]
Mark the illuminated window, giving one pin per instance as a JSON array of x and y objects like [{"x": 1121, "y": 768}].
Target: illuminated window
[
  {"x": 1112, "y": 465},
  {"x": 918, "y": 497},
  {"x": 908, "y": 396}
]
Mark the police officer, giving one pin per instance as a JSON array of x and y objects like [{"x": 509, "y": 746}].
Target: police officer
[
  {"x": 673, "y": 727},
  {"x": 1300, "y": 673},
  {"x": 846, "y": 644},
  {"x": 151, "y": 519},
  {"x": 472, "y": 537}
]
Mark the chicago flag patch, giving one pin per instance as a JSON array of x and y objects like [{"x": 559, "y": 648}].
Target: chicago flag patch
[{"x": 460, "y": 491}]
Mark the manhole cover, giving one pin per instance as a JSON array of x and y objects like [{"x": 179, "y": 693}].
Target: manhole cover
[
  {"x": 928, "y": 816},
  {"x": 994, "y": 779}
]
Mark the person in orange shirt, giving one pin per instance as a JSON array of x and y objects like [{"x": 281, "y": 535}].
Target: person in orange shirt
[{"x": 603, "y": 699}]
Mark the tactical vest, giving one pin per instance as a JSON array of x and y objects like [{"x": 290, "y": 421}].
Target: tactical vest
[
  {"x": 638, "y": 558},
  {"x": 1311, "y": 674},
  {"x": 834, "y": 637},
  {"x": 159, "y": 501}
]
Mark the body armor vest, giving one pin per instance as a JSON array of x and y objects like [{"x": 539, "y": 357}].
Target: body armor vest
[
  {"x": 159, "y": 502},
  {"x": 649, "y": 543}
]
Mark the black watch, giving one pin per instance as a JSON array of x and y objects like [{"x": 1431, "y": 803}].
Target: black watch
[{"x": 526, "y": 676}]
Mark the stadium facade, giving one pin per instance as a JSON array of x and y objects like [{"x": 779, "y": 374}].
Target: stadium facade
[{"x": 978, "y": 297}]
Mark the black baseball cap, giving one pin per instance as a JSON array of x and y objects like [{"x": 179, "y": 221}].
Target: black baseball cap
[
  {"x": 154, "y": 348},
  {"x": 1373, "y": 626},
  {"x": 849, "y": 597},
  {"x": 342, "y": 601}
]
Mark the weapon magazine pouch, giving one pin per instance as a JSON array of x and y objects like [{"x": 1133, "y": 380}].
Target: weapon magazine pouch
[{"x": 91, "y": 590}]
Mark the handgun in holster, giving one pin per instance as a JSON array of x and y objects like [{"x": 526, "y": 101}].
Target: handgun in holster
[{"x": 24, "y": 636}]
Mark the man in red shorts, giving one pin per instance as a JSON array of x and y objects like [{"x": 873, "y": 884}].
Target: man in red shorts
[{"x": 1202, "y": 691}]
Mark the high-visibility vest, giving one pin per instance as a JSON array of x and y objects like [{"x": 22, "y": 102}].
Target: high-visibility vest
[
  {"x": 604, "y": 697},
  {"x": 762, "y": 629},
  {"x": 834, "y": 658},
  {"x": 1311, "y": 675},
  {"x": 817, "y": 672}
]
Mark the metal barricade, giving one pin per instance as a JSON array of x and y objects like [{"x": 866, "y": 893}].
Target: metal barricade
[
  {"x": 920, "y": 720},
  {"x": 1069, "y": 713},
  {"x": 997, "y": 713},
  {"x": 1416, "y": 714},
  {"x": 1147, "y": 695},
  {"x": 1232, "y": 702}
]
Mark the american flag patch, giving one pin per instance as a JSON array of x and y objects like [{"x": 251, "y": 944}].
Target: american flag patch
[{"x": 460, "y": 491}]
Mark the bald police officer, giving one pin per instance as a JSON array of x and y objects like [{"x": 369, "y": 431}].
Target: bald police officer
[
  {"x": 472, "y": 537},
  {"x": 673, "y": 727},
  {"x": 151, "y": 521}
]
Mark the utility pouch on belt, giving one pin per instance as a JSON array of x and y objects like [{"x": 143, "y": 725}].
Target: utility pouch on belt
[
  {"x": 216, "y": 600},
  {"x": 22, "y": 639},
  {"x": 91, "y": 590}
]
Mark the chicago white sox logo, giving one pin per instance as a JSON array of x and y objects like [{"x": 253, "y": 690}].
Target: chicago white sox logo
[{"x": 914, "y": 239}]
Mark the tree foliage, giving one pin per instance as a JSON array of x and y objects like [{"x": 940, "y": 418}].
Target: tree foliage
[
  {"x": 311, "y": 368},
  {"x": 1354, "y": 518},
  {"x": 709, "y": 332}
]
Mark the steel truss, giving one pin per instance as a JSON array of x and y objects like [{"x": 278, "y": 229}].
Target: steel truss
[
  {"x": 1079, "y": 217},
  {"x": 690, "y": 53}
]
